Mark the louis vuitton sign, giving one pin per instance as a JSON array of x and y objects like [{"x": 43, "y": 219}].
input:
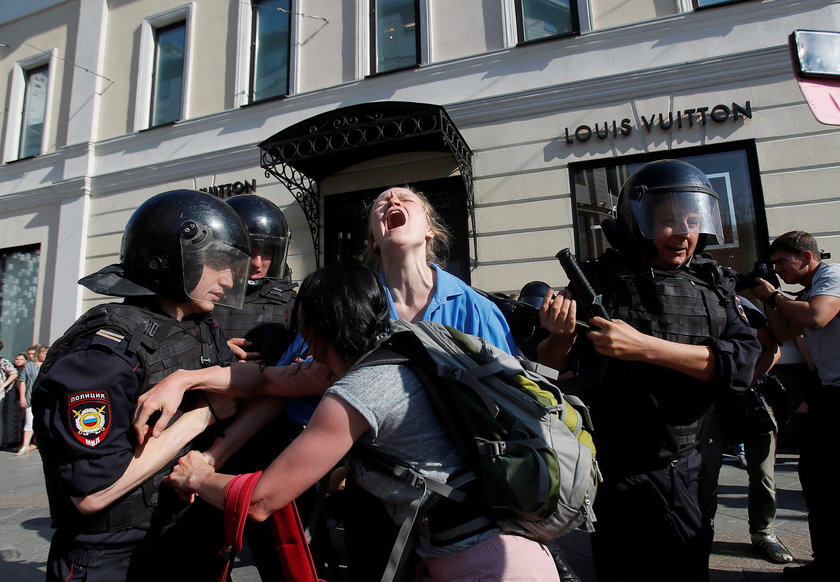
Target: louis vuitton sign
[{"x": 660, "y": 121}]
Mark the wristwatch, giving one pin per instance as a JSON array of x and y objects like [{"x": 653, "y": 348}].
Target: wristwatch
[{"x": 771, "y": 299}]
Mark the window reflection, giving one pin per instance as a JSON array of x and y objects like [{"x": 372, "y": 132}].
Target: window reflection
[
  {"x": 168, "y": 80},
  {"x": 395, "y": 25},
  {"x": 34, "y": 112},
  {"x": 270, "y": 58},
  {"x": 544, "y": 18}
]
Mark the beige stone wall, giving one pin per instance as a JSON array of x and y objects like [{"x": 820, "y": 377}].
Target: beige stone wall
[
  {"x": 465, "y": 28},
  {"x": 609, "y": 13}
]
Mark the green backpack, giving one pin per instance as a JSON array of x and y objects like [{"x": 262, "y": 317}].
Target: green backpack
[{"x": 535, "y": 456}]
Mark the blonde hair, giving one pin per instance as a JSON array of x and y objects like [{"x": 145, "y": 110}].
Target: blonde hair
[{"x": 437, "y": 249}]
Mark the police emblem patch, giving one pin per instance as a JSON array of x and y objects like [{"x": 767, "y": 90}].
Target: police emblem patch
[
  {"x": 89, "y": 415},
  {"x": 740, "y": 308}
]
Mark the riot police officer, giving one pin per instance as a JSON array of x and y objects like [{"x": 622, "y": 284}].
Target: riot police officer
[
  {"x": 265, "y": 324},
  {"x": 265, "y": 318},
  {"x": 676, "y": 339},
  {"x": 183, "y": 253}
]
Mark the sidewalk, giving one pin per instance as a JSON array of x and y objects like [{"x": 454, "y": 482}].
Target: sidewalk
[{"x": 25, "y": 531}]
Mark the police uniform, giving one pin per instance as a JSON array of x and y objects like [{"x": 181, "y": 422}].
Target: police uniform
[
  {"x": 649, "y": 419},
  {"x": 265, "y": 319},
  {"x": 84, "y": 402}
]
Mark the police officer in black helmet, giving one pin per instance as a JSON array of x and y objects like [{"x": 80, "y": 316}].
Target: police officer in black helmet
[
  {"x": 183, "y": 253},
  {"x": 677, "y": 338},
  {"x": 264, "y": 322},
  {"x": 263, "y": 329}
]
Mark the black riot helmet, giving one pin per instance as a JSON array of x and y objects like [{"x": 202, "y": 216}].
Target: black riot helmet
[
  {"x": 170, "y": 242},
  {"x": 534, "y": 292},
  {"x": 662, "y": 198},
  {"x": 268, "y": 231}
]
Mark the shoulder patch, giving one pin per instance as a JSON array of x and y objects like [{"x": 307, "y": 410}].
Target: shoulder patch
[
  {"x": 741, "y": 312},
  {"x": 89, "y": 416},
  {"x": 107, "y": 334}
]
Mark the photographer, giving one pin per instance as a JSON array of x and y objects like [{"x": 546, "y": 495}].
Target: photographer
[{"x": 797, "y": 260}]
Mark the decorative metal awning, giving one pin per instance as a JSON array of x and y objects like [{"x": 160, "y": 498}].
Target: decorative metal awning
[{"x": 305, "y": 153}]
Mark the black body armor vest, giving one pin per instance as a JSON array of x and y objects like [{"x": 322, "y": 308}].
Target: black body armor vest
[
  {"x": 265, "y": 319},
  {"x": 648, "y": 414},
  {"x": 162, "y": 344}
]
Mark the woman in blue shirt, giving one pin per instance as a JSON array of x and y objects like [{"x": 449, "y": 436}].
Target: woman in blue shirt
[{"x": 407, "y": 240}]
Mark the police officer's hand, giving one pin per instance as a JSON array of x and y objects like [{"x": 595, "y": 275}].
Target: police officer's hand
[
  {"x": 190, "y": 472},
  {"x": 617, "y": 339},
  {"x": 237, "y": 345},
  {"x": 558, "y": 314}
]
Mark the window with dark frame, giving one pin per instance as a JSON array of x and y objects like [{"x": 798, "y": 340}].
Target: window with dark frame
[
  {"x": 271, "y": 39},
  {"x": 732, "y": 172},
  {"x": 395, "y": 36},
  {"x": 540, "y": 19},
  {"x": 18, "y": 293},
  {"x": 168, "y": 74},
  {"x": 34, "y": 111}
]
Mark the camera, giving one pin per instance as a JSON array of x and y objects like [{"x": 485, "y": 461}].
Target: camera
[{"x": 761, "y": 269}]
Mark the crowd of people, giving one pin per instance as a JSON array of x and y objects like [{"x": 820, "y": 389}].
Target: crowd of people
[
  {"x": 144, "y": 416},
  {"x": 17, "y": 378}
]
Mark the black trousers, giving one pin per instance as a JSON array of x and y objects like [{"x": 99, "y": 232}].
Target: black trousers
[
  {"x": 185, "y": 548},
  {"x": 650, "y": 525},
  {"x": 819, "y": 449}
]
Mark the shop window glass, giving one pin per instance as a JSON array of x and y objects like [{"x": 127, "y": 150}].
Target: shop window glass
[
  {"x": 168, "y": 79},
  {"x": 270, "y": 49},
  {"x": 18, "y": 291},
  {"x": 34, "y": 111},
  {"x": 537, "y": 19},
  {"x": 396, "y": 35},
  {"x": 595, "y": 191}
]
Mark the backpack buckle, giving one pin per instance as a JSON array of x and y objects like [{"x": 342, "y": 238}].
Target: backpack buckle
[
  {"x": 409, "y": 476},
  {"x": 492, "y": 448}
]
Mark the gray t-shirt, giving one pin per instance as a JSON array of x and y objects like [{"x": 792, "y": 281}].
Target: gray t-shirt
[
  {"x": 404, "y": 425},
  {"x": 824, "y": 343}
]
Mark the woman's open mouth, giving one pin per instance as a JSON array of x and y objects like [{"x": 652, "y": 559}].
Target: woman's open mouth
[{"x": 395, "y": 218}]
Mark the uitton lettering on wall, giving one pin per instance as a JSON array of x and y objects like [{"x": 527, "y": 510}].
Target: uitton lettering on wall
[
  {"x": 232, "y": 189},
  {"x": 676, "y": 120}
]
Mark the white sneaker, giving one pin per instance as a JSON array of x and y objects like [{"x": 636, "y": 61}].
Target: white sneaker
[{"x": 772, "y": 548}]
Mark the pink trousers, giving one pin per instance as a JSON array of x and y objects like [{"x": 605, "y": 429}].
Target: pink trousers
[{"x": 502, "y": 558}]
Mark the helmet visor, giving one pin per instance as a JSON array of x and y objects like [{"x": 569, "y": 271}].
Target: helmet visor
[
  {"x": 672, "y": 213},
  {"x": 267, "y": 256},
  {"x": 216, "y": 273}
]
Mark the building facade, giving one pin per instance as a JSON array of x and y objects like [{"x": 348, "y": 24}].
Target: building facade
[{"x": 520, "y": 118}]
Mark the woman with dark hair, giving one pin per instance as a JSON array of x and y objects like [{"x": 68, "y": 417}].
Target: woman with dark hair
[{"x": 343, "y": 314}]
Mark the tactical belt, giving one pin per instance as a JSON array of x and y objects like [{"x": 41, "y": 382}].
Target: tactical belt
[{"x": 134, "y": 510}]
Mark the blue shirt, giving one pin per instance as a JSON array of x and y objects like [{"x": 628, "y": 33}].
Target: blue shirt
[
  {"x": 453, "y": 303},
  {"x": 456, "y": 304}
]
